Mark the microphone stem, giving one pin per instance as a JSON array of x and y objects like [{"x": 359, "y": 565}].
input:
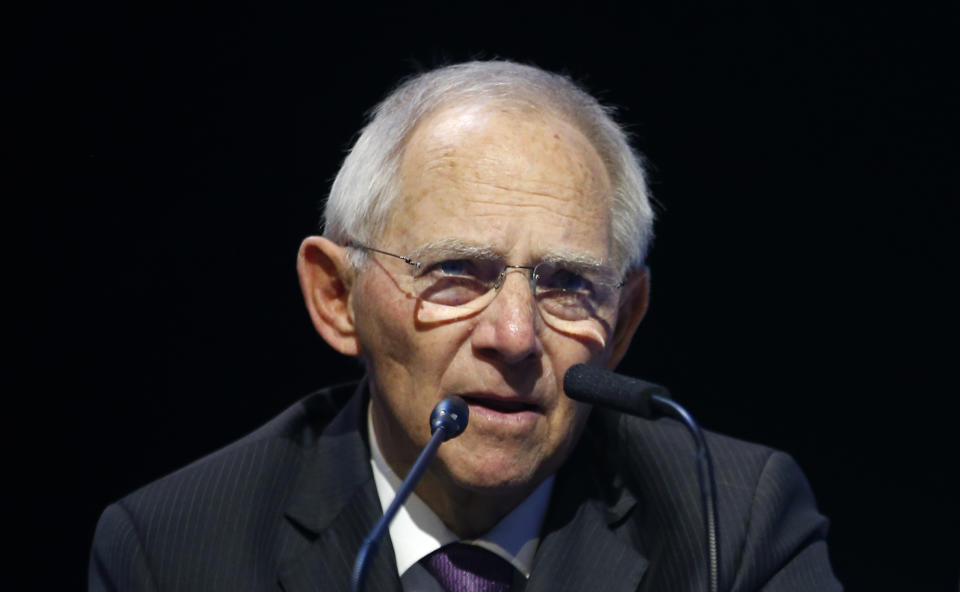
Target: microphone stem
[
  {"x": 370, "y": 544},
  {"x": 708, "y": 485}
]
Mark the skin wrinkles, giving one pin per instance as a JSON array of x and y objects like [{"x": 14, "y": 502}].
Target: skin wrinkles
[
  {"x": 530, "y": 191},
  {"x": 521, "y": 205},
  {"x": 446, "y": 163},
  {"x": 533, "y": 192},
  {"x": 506, "y": 350},
  {"x": 449, "y": 167}
]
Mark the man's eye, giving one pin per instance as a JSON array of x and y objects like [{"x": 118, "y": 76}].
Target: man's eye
[
  {"x": 567, "y": 281},
  {"x": 452, "y": 282},
  {"x": 454, "y": 267}
]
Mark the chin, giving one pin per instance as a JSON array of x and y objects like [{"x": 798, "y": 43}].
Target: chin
[
  {"x": 495, "y": 473},
  {"x": 499, "y": 487}
]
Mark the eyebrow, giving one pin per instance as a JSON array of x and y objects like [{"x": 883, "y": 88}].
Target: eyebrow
[
  {"x": 573, "y": 260},
  {"x": 455, "y": 247}
]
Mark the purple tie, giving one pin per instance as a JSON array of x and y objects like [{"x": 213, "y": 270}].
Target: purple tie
[{"x": 468, "y": 568}]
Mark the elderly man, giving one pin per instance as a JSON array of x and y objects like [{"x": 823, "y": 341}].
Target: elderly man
[{"x": 486, "y": 232}]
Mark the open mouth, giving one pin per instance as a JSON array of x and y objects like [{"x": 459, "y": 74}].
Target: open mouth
[{"x": 501, "y": 405}]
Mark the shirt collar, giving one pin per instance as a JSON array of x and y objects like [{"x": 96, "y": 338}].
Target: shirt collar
[{"x": 515, "y": 537}]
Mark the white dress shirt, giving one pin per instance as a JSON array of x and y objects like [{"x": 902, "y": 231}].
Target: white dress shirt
[{"x": 417, "y": 531}]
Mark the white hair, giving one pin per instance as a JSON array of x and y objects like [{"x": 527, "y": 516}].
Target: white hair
[{"x": 365, "y": 190}]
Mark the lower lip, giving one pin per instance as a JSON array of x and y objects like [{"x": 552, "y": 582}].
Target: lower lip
[{"x": 521, "y": 418}]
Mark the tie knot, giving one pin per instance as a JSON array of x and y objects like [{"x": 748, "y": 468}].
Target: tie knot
[{"x": 460, "y": 567}]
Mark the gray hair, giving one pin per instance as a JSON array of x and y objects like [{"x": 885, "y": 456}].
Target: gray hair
[{"x": 365, "y": 190}]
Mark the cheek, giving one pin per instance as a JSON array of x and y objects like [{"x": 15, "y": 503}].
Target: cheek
[
  {"x": 568, "y": 415},
  {"x": 563, "y": 351},
  {"x": 402, "y": 357},
  {"x": 381, "y": 321}
]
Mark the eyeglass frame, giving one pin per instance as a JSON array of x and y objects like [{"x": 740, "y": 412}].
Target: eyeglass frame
[{"x": 496, "y": 286}]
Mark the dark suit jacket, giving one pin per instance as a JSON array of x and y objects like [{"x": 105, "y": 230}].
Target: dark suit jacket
[{"x": 288, "y": 506}]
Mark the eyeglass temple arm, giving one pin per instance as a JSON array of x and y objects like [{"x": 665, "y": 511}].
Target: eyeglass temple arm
[{"x": 407, "y": 260}]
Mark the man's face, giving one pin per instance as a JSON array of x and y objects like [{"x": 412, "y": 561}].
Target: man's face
[{"x": 525, "y": 186}]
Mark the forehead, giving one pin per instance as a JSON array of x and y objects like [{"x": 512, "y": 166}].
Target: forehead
[{"x": 511, "y": 179}]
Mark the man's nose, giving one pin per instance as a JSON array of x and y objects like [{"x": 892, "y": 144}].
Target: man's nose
[{"x": 509, "y": 328}]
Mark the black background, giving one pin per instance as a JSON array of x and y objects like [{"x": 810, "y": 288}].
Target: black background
[{"x": 163, "y": 163}]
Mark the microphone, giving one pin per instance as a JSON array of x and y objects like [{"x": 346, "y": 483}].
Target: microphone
[
  {"x": 450, "y": 415},
  {"x": 447, "y": 420},
  {"x": 589, "y": 384}
]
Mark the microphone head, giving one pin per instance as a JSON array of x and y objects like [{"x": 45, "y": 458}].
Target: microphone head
[
  {"x": 450, "y": 415},
  {"x": 596, "y": 386}
]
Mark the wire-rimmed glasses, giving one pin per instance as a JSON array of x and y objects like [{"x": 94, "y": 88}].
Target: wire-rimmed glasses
[{"x": 455, "y": 281}]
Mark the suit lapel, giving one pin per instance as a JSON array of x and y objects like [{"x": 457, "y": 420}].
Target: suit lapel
[
  {"x": 580, "y": 548},
  {"x": 333, "y": 507},
  {"x": 584, "y": 554}
]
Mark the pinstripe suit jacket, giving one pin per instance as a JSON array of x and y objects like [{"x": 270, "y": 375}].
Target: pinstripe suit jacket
[{"x": 288, "y": 506}]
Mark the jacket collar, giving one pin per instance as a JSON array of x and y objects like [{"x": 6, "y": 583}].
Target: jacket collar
[
  {"x": 334, "y": 505},
  {"x": 585, "y": 544}
]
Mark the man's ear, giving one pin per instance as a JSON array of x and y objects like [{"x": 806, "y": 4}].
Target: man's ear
[
  {"x": 326, "y": 279},
  {"x": 634, "y": 298}
]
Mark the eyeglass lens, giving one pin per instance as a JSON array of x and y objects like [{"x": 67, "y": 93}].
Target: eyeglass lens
[{"x": 453, "y": 288}]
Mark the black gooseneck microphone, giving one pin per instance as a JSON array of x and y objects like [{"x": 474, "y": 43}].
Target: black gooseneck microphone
[
  {"x": 633, "y": 396},
  {"x": 448, "y": 420}
]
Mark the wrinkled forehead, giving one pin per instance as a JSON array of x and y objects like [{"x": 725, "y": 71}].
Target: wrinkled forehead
[{"x": 494, "y": 174}]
